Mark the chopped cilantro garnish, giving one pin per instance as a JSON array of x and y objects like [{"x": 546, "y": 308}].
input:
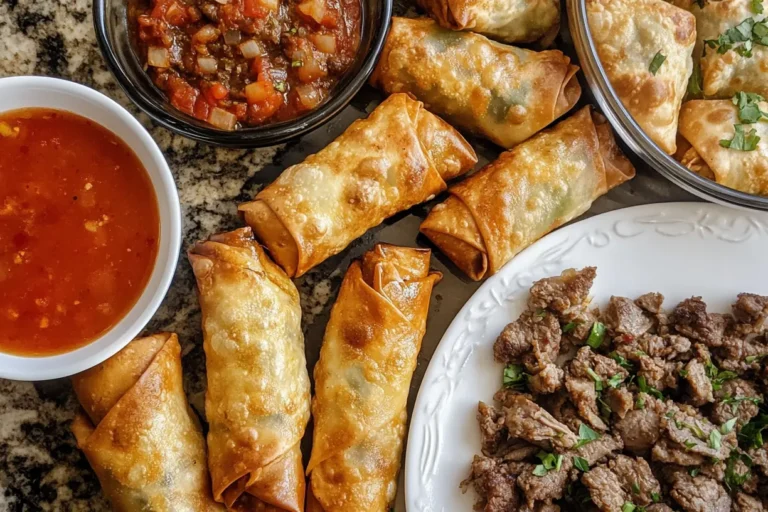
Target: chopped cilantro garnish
[
  {"x": 741, "y": 141},
  {"x": 734, "y": 480},
  {"x": 727, "y": 427},
  {"x": 635, "y": 488},
  {"x": 751, "y": 434},
  {"x": 549, "y": 462},
  {"x": 656, "y": 63},
  {"x": 715, "y": 438},
  {"x": 757, "y": 6},
  {"x": 628, "y": 507},
  {"x": 515, "y": 377},
  {"x": 596, "y": 378},
  {"x": 748, "y": 104},
  {"x": 569, "y": 327},
  {"x": 615, "y": 381},
  {"x": 640, "y": 402},
  {"x": 695, "y": 84},
  {"x": 755, "y": 359},
  {"x": 596, "y": 335},
  {"x": 689, "y": 445},
  {"x": 280, "y": 86},
  {"x": 622, "y": 361},
  {"x": 656, "y": 497},
  {"x": 642, "y": 383},
  {"x": 581, "y": 463},
  {"x": 694, "y": 471},
  {"x": 717, "y": 376},
  {"x": 586, "y": 435},
  {"x": 735, "y": 401},
  {"x": 683, "y": 373}
]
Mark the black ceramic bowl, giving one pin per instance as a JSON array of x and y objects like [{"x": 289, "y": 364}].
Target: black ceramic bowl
[{"x": 116, "y": 40}]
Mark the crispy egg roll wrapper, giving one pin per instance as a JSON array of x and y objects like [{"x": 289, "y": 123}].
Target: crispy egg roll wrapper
[
  {"x": 628, "y": 34},
  {"x": 703, "y": 124},
  {"x": 362, "y": 380},
  {"x": 526, "y": 193},
  {"x": 138, "y": 432},
  {"x": 723, "y": 75},
  {"x": 401, "y": 155},
  {"x": 500, "y": 92},
  {"x": 509, "y": 21},
  {"x": 257, "y": 402}
]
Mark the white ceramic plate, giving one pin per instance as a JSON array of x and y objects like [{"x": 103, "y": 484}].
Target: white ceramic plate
[{"x": 678, "y": 249}]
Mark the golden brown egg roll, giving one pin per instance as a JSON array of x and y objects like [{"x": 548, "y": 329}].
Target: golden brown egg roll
[
  {"x": 500, "y": 92},
  {"x": 645, "y": 47},
  {"x": 509, "y": 21},
  {"x": 703, "y": 124},
  {"x": 526, "y": 193},
  {"x": 257, "y": 401},
  {"x": 362, "y": 379},
  {"x": 725, "y": 73},
  {"x": 401, "y": 155},
  {"x": 138, "y": 432}
]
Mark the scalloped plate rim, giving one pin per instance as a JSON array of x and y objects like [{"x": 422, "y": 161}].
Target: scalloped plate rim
[{"x": 700, "y": 217}]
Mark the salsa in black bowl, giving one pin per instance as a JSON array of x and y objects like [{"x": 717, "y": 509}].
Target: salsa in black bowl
[{"x": 241, "y": 73}]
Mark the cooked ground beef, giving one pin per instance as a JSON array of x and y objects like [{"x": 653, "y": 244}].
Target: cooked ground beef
[{"x": 628, "y": 409}]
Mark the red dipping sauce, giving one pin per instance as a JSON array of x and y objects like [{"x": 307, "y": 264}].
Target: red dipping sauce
[{"x": 79, "y": 231}]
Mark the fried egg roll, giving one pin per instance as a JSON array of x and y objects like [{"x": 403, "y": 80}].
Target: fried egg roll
[
  {"x": 138, "y": 432},
  {"x": 703, "y": 125},
  {"x": 362, "y": 379},
  {"x": 257, "y": 402},
  {"x": 646, "y": 48},
  {"x": 503, "y": 93},
  {"x": 401, "y": 155},
  {"x": 526, "y": 193},
  {"x": 509, "y": 21}
]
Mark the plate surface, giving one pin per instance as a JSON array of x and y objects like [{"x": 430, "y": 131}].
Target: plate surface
[{"x": 678, "y": 249}]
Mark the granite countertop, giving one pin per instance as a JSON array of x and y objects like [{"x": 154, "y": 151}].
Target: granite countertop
[{"x": 40, "y": 466}]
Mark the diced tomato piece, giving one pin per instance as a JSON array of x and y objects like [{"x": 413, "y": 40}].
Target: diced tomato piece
[
  {"x": 254, "y": 9},
  {"x": 260, "y": 68},
  {"x": 182, "y": 95},
  {"x": 240, "y": 110},
  {"x": 217, "y": 91},
  {"x": 170, "y": 11},
  {"x": 202, "y": 109},
  {"x": 260, "y": 112},
  {"x": 176, "y": 15}
]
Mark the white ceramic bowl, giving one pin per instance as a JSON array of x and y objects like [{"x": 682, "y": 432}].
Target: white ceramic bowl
[{"x": 42, "y": 92}]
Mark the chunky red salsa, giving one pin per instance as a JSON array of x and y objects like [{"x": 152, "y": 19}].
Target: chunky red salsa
[
  {"x": 239, "y": 63},
  {"x": 79, "y": 228}
]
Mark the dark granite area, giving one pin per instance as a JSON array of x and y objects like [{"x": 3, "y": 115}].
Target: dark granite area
[{"x": 40, "y": 467}]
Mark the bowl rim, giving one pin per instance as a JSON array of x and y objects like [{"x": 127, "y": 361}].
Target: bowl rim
[
  {"x": 37, "y": 368},
  {"x": 251, "y": 137},
  {"x": 631, "y": 132}
]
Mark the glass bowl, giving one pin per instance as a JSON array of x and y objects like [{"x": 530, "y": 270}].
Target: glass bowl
[
  {"x": 630, "y": 131},
  {"x": 116, "y": 40}
]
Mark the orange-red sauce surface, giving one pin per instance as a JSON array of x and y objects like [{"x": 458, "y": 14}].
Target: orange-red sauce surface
[{"x": 79, "y": 231}]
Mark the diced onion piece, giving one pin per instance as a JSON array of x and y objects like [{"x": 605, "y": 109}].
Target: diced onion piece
[
  {"x": 207, "y": 65},
  {"x": 206, "y": 34},
  {"x": 250, "y": 49},
  {"x": 176, "y": 15},
  {"x": 310, "y": 70},
  {"x": 326, "y": 43},
  {"x": 222, "y": 2},
  {"x": 314, "y": 9},
  {"x": 258, "y": 92},
  {"x": 309, "y": 97},
  {"x": 220, "y": 118},
  {"x": 158, "y": 57},
  {"x": 232, "y": 36}
]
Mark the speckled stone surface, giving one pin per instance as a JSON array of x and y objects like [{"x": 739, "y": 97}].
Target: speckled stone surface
[{"x": 40, "y": 467}]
